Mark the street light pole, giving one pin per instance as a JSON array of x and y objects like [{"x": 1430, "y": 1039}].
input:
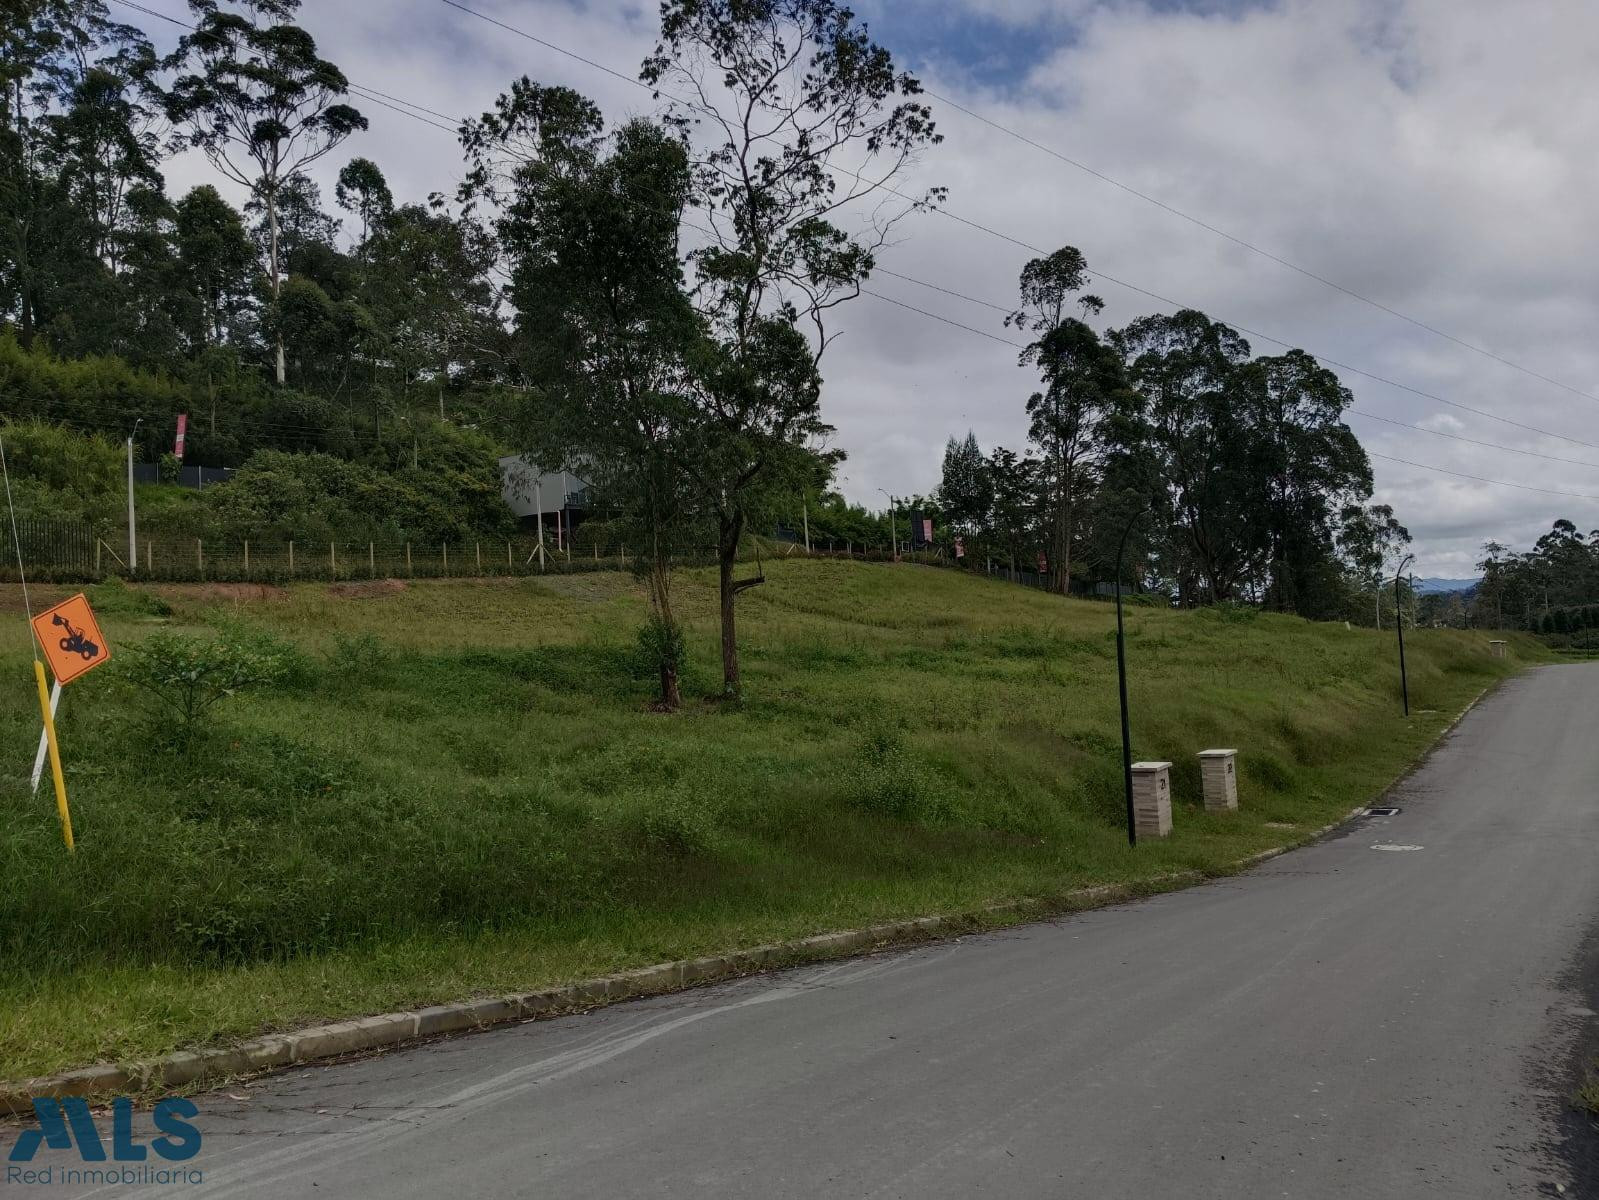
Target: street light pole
[
  {"x": 892, "y": 535},
  {"x": 1121, "y": 681},
  {"x": 1399, "y": 624}
]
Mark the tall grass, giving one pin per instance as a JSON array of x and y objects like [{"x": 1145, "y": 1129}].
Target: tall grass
[{"x": 465, "y": 786}]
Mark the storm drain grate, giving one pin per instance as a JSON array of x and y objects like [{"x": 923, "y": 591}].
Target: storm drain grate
[{"x": 1386, "y": 811}]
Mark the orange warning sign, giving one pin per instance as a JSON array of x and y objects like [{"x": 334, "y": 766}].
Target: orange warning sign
[{"x": 71, "y": 639}]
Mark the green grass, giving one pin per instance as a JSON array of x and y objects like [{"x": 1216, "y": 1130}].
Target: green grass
[
  {"x": 464, "y": 788},
  {"x": 1587, "y": 1096}
]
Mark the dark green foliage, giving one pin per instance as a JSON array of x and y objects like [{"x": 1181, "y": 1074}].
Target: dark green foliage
[
  {"x": 114, "y": 597},
  {"x": 965, "y": 491},
  {"x": 184, "y": 678},
  {"x": 1552, "y": 589},
  {"x": 60, "y": 475},
  {"x": 450, "y": 496}
]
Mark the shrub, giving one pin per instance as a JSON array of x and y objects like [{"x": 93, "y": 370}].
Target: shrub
[
  {"x": 452, "y": 494},
  {"x": 678, "y": 824},
  {"x": 112, "y": 595},
  {"x": 187, "y": 677},
  {"x": 58, "y": 474},
  {"x": 891, "y": 782}
]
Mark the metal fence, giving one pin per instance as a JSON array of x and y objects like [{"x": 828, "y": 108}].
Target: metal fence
[{"x": 67, "y": 552}]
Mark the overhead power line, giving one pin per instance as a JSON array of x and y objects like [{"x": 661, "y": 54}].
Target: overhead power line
[
  {"x": 1326, "y": 360},
  {"x": 1455, "y": 437},
  {"x": 396, "y": 102},
  {"x": 1255, "y": 249},
  {"x": 1524, "y": 487}
]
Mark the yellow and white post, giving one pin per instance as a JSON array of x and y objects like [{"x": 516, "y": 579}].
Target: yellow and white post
[{"x": 55, "y": 754}]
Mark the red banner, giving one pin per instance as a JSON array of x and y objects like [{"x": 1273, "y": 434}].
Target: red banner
[{"x": 183, "y": 425}]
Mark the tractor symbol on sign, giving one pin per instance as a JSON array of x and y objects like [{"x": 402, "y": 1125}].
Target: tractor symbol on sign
[{"x": 75, "y": 642}]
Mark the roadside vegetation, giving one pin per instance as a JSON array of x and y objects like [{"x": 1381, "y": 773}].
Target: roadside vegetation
[{"x": 459, "y": 787}]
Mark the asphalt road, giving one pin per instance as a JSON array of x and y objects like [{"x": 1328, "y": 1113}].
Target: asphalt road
[{"x": 1395, "y": 1011}]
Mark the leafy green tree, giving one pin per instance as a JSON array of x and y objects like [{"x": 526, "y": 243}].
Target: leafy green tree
[
  {"x": 607, "y": 335},
  {"x": 1309, "y": 465},
  {"x": 433, "y": 307},
  {"x": 1082, "y": 378},
  {"x": 966, "y": 491},
  {"x": 362, "y": 190},
  {"x": 1371, "y": 538},
  {"x": 1015, "y": 482},
  {"x": 799, "y": 119},
  {"x": 256, "y": 98},
  {"x": 217, "y": 268},
  {"x": 72, "y": 145},
  {"x": 1182, "y": 368}
]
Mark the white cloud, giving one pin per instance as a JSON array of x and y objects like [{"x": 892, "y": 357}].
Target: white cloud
[{"x": 1435, "y": 155}]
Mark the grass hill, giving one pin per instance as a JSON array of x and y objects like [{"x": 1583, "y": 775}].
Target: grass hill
[{"x": 460, "y": 786}]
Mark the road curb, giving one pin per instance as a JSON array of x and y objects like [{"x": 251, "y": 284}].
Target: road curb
[{"x": 187, "y": 1067}]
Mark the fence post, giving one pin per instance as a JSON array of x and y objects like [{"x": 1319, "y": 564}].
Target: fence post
[
  {"x": 479, "y": 548},
  {"x": 446, "y": 558},
  {"x": 199, "y": 557},
  {"x": 333, "y": 563},
  {"x": 408, "y": 570},
  {"x": 371, "y": 561},
  {"x": 96, "y": 558},
  {"x": 291, "y": 558},
  {"x": 509, "y": 565},
  {"x": 247, "y": 558}
]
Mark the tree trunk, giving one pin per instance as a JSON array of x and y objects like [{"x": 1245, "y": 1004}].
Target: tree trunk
[
  {"x": 727, "y": 557},
  {"x": 1066, "y": 548},
  {"x": 660, "y": 587},
  {"x": 277, "y": 281}
]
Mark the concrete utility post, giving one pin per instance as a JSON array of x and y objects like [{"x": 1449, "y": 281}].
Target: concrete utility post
[
  {"x": 893, "y": 536},
  {"x": 133, "y": 535}
]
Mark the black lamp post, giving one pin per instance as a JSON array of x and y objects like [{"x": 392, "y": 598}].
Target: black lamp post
[
  {"x": 1399, "y": 624},
  {"x": 1121, "y": 680}
]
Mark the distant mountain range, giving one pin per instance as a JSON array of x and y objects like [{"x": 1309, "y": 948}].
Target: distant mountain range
[{"x": 1427, "y": 587}]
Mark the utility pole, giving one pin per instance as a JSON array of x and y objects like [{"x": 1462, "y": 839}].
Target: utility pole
[
  {"x": 133, "y": 536},
  {"x": 1399, "y": 624},
  {"x": 892, "y": 535}
]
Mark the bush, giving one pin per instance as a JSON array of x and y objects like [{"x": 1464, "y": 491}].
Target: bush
[
  {"x": 114, "y": 596},
  {"x": 451, "y": 495},
  {"x": 188, "y": 676},
  {"x": 58, "y": 474},
  {"x": 890, "y": 782},
  {"x": 679, "y": 824}
]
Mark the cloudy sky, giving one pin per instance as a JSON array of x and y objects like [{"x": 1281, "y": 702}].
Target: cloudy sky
[{"x": 1435, "y": 156}]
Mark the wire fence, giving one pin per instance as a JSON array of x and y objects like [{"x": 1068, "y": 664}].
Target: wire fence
[{"x": 71, "y": 552}]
